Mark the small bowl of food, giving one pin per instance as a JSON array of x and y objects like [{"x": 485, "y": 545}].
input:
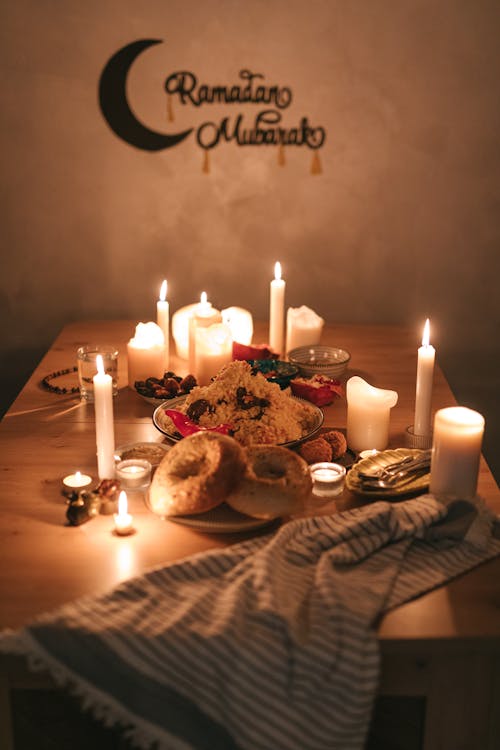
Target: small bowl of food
[
  {"x": 320, "y": 360},
  {"x": 144, "y": 451},
  {"x": 275, "y": 370}
]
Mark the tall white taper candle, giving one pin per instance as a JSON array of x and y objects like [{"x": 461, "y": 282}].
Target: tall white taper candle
[
  {"x": 104, "y": 427},
  {"x": 277, "y": 312},
  {"x": 425, "y": 374},
  {"x": 163, "y": 320}
]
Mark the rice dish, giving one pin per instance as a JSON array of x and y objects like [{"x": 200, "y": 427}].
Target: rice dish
[{"x": 257, "y": 410}]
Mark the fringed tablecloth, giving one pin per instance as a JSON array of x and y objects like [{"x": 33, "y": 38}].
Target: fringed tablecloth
[{"x": 268, "y": 644}]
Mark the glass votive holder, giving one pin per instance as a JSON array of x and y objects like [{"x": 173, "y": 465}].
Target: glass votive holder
[
  {"x": 422, "y": 442},
  {"x": 134, "y": 474},
  {"x": 87, "y": 367},
  {"x": 328, "y": 479}
]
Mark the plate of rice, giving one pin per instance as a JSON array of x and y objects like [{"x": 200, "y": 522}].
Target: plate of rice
[{"x": 257, "y": 410}]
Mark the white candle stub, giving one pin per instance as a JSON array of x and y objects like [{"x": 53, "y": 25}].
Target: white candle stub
[
  {"x": 456, "y": 451},
  {"x": 303, "y": 327},
  {"x": 146, "y": 353},
  {"x": 240, "y": 322},
  {"x": 213, "y": 350},
  {"x": 204, "y": 315},
  {"x": 77, "y": 482},
  {"x": 368, "y": 414},
  {"x": 123, "y": 519}
]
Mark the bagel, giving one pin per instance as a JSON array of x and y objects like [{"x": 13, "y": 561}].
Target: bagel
[
  {"x": 196, "y": 474},
  {"x": 276, "y": 483}
]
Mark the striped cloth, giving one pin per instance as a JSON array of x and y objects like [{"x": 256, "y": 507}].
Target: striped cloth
[{"x": 268, "y": 644}]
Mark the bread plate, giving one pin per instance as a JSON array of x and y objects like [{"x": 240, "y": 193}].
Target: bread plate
[
  {"x": 174, "y": 403},
  {"x": 220, "y": 520}
]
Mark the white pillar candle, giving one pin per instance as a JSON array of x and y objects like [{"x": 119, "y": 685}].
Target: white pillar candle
[
  {"x": 203, "y": 315},
  {"x": 123, "y": 519},
  {"x": 303, "y": 327},
  {"x": 180, "y": 329},
  {"x": 425, "y": 375},
  {"x": 456, "y": 450},
  {"x": 213, "y": 349},
  {"x": 368, "y": 414},
  {"x": 104, "y": 427},
  {"x": 277, "y": 312},
  {"x": 146, "y": 353},
  {"x": 163, "y": 320},
  {"x": 240, "y": 322}
]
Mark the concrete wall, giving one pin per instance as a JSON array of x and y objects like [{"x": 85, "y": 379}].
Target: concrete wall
[{"x": 403, "y": 223}]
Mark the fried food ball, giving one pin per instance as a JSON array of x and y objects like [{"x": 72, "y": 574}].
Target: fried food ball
[
  {"x": 337, "y": 442},
  {"x": 315, "y": 451}
]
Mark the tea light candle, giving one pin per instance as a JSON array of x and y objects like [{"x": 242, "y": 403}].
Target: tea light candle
[
  {"x": 213, "y": 349},
  {"x": 104, "y": 427},
  {"x": 456, "y": 450},
  {"x": 123, "y": 519},
  {"x": 146, "y": 353},
  {"x": 162, "y": 319},
  {"x": 368, "y": 413},
  {"x": 277, "y": 312},
  {"x": 425, "y": 375},
  {"x": 368, "y": 453},
  {"x": 134, "y": 473},
  {"x": 240, "y": 322},
  {"x": 203, "y": 316},
  {"x": 328, "y": 479},
  {"x": 303, "y": 327},
  {"x": 76, "y": 482}
]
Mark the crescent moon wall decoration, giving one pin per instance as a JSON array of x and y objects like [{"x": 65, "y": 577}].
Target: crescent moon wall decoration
[{"x": 115, "y": 107}]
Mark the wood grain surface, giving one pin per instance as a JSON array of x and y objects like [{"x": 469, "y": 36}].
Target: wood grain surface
[{"x": 45, "y": 436}]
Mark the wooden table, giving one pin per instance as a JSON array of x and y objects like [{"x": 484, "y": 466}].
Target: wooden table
[{"x": 445, "y": 645}]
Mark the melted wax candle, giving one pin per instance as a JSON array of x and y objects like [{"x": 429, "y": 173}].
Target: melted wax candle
[{"x": 368, "y": 414}]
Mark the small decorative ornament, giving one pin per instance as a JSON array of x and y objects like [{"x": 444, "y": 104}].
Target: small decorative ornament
[{"x": 82, "y": 507}]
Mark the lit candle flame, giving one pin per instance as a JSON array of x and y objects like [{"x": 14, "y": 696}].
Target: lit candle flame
[
  {"x": 78, "y": 475},
  {"x": 163, "y": 291},
  {"x": 122, "y": 504},
  {"x": 99, "y": 364},
  {"x": 203, "y": 298},
  {"x": 426, "y": 334},
  {"x": 277, "y": 270}
]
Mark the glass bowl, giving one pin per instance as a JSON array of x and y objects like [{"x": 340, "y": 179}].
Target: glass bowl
[{"x": 320, "y": 360}]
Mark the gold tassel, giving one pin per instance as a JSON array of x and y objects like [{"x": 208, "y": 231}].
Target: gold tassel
[
  {"x": 206, "y": 163},
  {"x": 316, "y": 167},
  {"x": 281, "y": 155},
  {"x": 170, "y": 109}
]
